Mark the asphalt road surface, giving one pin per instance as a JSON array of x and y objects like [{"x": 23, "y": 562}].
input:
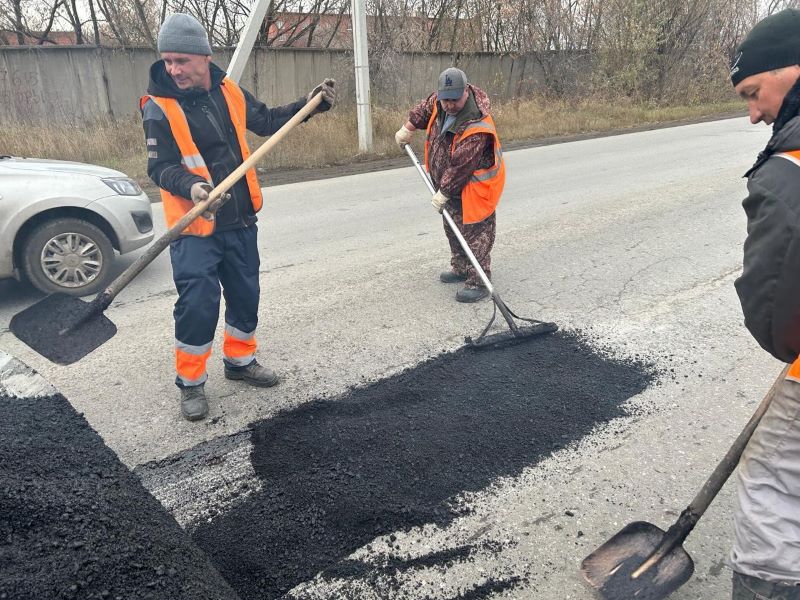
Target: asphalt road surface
[{"x": 630, "y": 243}]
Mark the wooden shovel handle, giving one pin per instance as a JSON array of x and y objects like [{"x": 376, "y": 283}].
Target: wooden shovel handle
[
  {"x": 676, "y": 534},
  {"x": 729, "y": 462},
  {"x": 115, "y": 287}
]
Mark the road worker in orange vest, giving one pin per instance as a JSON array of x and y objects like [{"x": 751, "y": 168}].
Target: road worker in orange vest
[
  {"x": 765, "y": 71},
  {"x": 195, "y": 120},
  {"x": 465, "y": 162}
]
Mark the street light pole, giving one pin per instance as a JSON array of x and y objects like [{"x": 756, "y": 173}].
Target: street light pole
[
  {"x": 247, "y": 39},
  {"x": 359, "y": 18},
  {"x": 360, "y": 53}
]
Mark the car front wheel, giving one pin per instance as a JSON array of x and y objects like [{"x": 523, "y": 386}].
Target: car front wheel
[{"x": 67, "y": 255}]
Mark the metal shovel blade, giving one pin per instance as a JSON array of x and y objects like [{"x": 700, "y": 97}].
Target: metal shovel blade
[
  {"x": 609, "y": 569},
  {"x": 62, "y": 328}
]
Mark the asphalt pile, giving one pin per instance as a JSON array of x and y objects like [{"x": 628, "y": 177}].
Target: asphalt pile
[
  {"x": 396, "y": 454},
  {"x": 76, "y": 523}
]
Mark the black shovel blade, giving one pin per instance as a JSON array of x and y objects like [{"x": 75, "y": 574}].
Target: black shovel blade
[
  {"x": 62, "y": 328},
  {"x": 609, "y": 568}
]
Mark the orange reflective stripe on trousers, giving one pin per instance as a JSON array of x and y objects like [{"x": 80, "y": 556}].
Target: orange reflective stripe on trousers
[
  {"x": 190, "y": 362},
  {"x": 239, "y": 347}
]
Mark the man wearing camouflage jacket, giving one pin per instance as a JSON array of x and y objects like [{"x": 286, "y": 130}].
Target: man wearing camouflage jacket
[{"x": 465, "y": 162}]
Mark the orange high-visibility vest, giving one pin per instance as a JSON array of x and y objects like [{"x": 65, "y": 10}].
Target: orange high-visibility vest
[
  {"x": 480, "y": 196},
  {"x": 794, "y": 371},
  {"x": 176, "y": 206}
]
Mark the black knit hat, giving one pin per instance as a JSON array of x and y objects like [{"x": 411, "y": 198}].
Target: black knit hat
[{"x": 773, "y": 43}]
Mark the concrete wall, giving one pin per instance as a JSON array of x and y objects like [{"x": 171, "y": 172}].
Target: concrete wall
[{"x": 80, "y": 83}]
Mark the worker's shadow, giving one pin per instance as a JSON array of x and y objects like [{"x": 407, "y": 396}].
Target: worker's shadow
[{"x": 397, "y": 454}]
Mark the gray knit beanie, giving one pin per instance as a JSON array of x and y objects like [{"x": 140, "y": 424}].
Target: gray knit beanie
[{"x": 184, "y": 34}]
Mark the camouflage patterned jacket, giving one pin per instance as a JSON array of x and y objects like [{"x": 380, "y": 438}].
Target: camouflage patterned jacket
[{"x": 450, "y": 172}]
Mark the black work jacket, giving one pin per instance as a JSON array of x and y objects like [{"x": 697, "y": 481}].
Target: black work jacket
[
  {"x": 769, "y": 287},
  {"x": 213, "y": 134}
]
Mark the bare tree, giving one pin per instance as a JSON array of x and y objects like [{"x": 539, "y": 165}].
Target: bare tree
[
  {"x": 30, "y": 24},
  {"x": 95, "y": 24},
  {"x": 16, "y": 5},
  {"x": 144, "y": 24},
  {"x": 640, "y": 49},
  {"x": 73, "y": 17}
]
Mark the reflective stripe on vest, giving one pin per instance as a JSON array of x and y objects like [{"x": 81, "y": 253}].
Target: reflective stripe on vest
[
  {"x": 176, "y": 206},
  {"x": 794, "y": 371},
  {"x": 479, "y": 198},
  {"x": 794, "y": 157}
]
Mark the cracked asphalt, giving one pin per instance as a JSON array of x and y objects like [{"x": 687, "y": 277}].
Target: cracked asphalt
[{"x": 631, "y": 241}]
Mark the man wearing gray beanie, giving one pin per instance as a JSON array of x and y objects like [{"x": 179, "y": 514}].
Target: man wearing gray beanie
[
  {"x": 195, "y": 120},
  {"x": 766, "y": 554}
]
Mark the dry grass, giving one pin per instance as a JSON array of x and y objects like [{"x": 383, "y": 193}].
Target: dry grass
[
  {"x": 115, "y": 144},
  {"x": 539, "y": 119},
  {"x": 332, "y": 139}
]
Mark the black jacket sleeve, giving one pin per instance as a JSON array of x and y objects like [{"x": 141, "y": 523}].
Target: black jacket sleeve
[
  {"x": 262, "y": 120},
  {"x": 769, "y": 287},
  {"x": 164, "y": 164}
]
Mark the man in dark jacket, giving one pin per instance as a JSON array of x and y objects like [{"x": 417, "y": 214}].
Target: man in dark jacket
[
  {"x": 465, "y": 162},
  {"x": 766, "y": 555},
  {"x": 194, "y": 122}
]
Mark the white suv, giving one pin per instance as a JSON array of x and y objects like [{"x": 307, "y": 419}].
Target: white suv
[{"x": 60, "y": 222}]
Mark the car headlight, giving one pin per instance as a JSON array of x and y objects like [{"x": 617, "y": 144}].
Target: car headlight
[{"x": 124, "y": 186}]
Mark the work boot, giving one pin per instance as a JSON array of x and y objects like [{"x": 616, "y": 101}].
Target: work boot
[
  {"x": 451, "y": 277},
  {"x": 254, "y": 374},
  {"x": 469, "y": 294},
  {"x": 194, "y": 406}
]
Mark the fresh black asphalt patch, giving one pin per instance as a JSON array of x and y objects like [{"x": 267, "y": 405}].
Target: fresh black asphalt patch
[
  {"x": 75, "y": 523},
  {"x": 336, "y": 475},
  {"x": 396, "y": 454}
]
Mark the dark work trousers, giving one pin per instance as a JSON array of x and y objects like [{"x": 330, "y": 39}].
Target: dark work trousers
[
  {"x": 746, "y": 587},
  {"x": 199, "y": 266},
  {"x": 479, "y": 237}
]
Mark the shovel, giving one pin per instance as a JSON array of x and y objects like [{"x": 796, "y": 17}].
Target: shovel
[
  {"x": 642, "y": 561},
  {"x": 64, "y": 328},
  {"x": 516, "y": 333}
]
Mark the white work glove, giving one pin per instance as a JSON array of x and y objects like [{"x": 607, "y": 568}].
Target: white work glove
[
  {"x": 403, "y": 136},
  {"x": 438, "y": 201},
  {"x": 200, "y": 192},
  {"x": 326, "y": 88}
]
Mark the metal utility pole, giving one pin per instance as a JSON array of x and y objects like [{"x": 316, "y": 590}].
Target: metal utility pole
[
  {"x": 359, "y": 18},
  {"x": 247, "y": 39}
]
